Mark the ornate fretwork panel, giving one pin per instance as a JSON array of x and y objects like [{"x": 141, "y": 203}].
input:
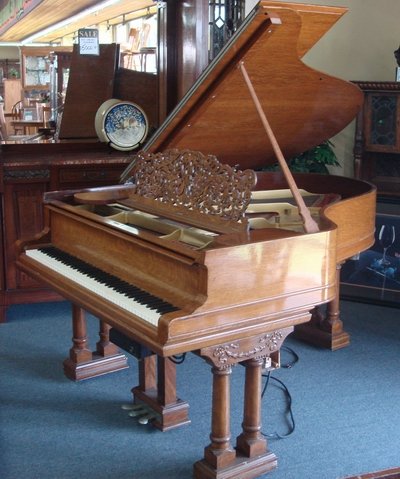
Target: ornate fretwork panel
[
  {"x": 195, "y": 181},
  {"x": 225, "y": 18}
]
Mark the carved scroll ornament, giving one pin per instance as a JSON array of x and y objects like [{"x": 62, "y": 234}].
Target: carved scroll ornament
[
  {"x": 225, "y": 355},
  {"x": 195, "y": 181}
]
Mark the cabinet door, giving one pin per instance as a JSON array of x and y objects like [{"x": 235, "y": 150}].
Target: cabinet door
[
  {"x": 381, "y": 125},
  {"x": 23, "y": 219}
]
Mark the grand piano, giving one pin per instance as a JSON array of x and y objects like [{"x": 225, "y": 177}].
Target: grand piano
[{"x": 195, "y": 251}]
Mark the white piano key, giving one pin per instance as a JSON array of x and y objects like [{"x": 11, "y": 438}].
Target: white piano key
[{"x": 96, "y": 287}]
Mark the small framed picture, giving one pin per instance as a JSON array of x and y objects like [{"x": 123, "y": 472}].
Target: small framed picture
[{"x": 397, "y": 73}]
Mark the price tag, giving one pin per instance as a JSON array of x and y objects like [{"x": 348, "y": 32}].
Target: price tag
[{"x": 88, "y": 41}]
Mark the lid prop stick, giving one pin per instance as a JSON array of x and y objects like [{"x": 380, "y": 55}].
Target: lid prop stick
[{"x": 310, "y": 226}]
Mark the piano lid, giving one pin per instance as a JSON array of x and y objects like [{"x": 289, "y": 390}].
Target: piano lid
[{"x": 304, "y": 106}]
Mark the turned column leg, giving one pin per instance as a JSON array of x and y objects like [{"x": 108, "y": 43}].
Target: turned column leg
[
  {"x": 220, "y": 453},
  {"x": 332, "y": 321},
  {"x": 79, "y": 353},
  {"x": 82, "y": 363},
  {"x": 105, "y": 347},
  {"x": 251, "y": 458},
  {"x": 251, "y": 443}
]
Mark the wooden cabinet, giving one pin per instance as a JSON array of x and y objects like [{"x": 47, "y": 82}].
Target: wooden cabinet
[
  {"x": 12, "y": 93},
  {"x": 377, "y": 142},
  {"x": 27, "y": 172}
]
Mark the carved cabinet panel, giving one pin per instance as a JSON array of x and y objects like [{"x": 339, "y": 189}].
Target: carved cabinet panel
[
  {"x": 377, "y": 142},
  {"x": 26, "y": 173},
  {"x": 23, "y": 219}
]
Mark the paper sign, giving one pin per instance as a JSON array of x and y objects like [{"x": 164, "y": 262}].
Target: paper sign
[{"x": 88, "y": 41}]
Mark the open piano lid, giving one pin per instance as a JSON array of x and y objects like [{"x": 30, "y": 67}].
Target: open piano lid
[{"x": 304, "y": 107}]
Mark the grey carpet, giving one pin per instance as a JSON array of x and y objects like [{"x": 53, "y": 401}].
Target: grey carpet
[{"x": 345, "y": 404}]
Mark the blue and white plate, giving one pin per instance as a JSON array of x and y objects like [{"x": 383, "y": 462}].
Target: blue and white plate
[{"x": 122, "y": 124}]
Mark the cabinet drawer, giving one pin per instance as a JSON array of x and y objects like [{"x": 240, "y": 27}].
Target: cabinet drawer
[{"x": 88, "y": 175}]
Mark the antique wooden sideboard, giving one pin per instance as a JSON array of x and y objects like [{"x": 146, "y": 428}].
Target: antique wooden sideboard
[
  {"x": 27, "y": 170},
  {"x": 377, "y": 142}
]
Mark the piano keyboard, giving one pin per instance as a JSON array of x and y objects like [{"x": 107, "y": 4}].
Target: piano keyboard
[{"x": 117, "y": 291}]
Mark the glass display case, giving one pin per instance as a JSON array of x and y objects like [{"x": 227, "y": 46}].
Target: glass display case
[{"x": 36, "y": 70}]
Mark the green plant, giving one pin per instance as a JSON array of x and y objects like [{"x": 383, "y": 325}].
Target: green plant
[
  {"x": 314, "y": 160},
  {"x": 13, "y": 73}
]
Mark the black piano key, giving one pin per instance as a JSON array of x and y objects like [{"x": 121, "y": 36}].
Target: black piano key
[{"x": 119, "y": 285}]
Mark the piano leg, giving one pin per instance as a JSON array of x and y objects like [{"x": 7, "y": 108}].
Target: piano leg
[
  {"x": 251, "y": 458},
  {"x": 326, "y": 330},
  {"x": 83, "y": 363},
  {"x": 105, "y": 347},
  {"x": 157, "y": 390},
  {"x": 251, "y": 443},
  {"x": 220, "y": 453}
]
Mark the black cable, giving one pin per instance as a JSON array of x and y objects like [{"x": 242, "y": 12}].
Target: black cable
[
  {"x": 276, "y": 435},
  {"x": 295, "y": 358},
  {"x": 288, "y": 365},
  {"x": 178, "y": 359}
]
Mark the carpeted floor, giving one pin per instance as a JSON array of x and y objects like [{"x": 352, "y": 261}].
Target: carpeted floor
[{"x": 345, "y": 405}]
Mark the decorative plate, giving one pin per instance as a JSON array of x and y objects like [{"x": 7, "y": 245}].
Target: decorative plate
[{"x": 122, "y": 124}]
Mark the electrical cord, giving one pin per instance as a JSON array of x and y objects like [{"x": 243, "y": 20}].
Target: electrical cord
[
  {"x": 289, "y": 410},
  {"x": 295, "y": 359},
  {"x": 178, "y": 359}
]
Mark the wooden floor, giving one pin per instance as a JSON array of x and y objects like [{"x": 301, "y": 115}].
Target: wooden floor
[{"x": 386, "y": 474}]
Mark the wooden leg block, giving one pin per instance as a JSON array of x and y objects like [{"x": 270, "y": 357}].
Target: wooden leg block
[
  {"x": 241, "y": 468},
  {"x": 96, "y": 367},
  {"x": 169, "y": 416},
  {"x": 312, "y": 334},
  {"x": 219, "y": 458},
  {"x": 325, "y": 331},
  {"x": 157, "y": 391},
  {"x": 85, "y": 364},
  {"x": 251, "y": 447}
]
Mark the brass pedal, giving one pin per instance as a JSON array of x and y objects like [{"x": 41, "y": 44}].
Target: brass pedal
[
  {"x": 144, "y": 413},
  {"x": 147, "y": 418}
]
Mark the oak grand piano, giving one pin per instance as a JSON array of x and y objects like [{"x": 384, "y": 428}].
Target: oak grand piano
[{"x": 192, "y": 253}]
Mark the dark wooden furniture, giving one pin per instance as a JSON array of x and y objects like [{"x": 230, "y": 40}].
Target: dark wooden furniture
[
  {"x": 377, "y": 140},
  {"x": 91, "y": 82},
  {"x": 211, "y": 283},
  {"x": 27, "y": 172}
]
